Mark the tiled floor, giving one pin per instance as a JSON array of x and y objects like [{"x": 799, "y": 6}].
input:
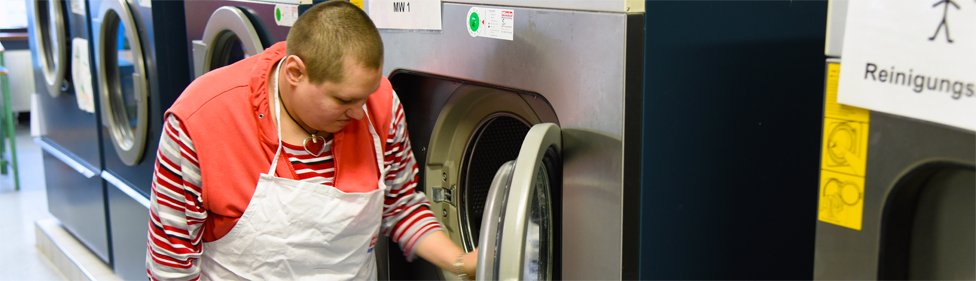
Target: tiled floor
[{"x": 19, "y": 258}]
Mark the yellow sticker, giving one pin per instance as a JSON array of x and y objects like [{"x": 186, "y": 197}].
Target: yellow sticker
[
  {"x": 834, "y": 109},
  {"x": 841, "y": 199},
  {"x": 358, "y": 3},
  {"x": 843, "y": 160},
  {"x": 844, "y": 148}
]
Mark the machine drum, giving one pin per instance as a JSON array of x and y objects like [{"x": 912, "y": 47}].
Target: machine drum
[{"x": 496, "y": 141}]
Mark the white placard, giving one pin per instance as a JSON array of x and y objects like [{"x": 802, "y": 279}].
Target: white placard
[
  {"x": 78, "y": 7},
  {"x": 145, "y": 3},
  {"x": 286, "y": 14},
  {"x": 912, "y": 58},
  {"x": 491, "y": 23},
  {"x": 81, "y": 75},
  {"x": 406, "y": 14}
]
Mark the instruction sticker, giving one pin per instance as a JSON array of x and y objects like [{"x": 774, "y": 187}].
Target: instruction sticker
[
  {"x": 841, "y": 199},
  {"x": 81, "y": 75},
  {"x": 844, "y": 146},
  {"x": 286, "y": 14},
  {"x": 843, "y": 161},
  {"x": 491, "y": 23}
]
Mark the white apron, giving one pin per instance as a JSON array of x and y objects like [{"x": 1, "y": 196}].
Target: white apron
[{"x": 299, "y": 230}]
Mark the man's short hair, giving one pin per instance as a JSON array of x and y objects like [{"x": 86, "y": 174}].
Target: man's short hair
[{"x": 329, "y": 32}]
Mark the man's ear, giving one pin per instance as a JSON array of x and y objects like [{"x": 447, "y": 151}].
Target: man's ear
[{"x": 295, "y": 70}]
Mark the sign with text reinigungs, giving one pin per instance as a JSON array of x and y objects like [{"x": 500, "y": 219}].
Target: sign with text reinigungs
[{"x": 912, "y": 58}]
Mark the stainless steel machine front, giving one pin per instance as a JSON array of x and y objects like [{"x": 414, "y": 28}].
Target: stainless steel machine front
[{"x": 581, "y": 65}]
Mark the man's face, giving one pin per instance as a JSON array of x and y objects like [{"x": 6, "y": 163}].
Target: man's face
[{"x": 329, "y": 106}]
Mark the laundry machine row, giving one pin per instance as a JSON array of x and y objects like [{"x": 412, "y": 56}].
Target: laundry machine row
[{"x": 565, "y": 98}]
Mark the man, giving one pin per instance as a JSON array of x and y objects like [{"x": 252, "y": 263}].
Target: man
[{"x": 288, "y": 165}]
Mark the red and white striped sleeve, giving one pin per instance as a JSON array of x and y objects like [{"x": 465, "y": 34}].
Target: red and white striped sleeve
[
  {"x": 406, "y": 215},
  {"x": 176, "y": 212}
]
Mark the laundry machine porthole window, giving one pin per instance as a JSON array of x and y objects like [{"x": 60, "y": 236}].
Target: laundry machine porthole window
[
  {"x": 228, "y": 49},
  {"x": 119, "y": 70},
  {"x": 228, "y": 37},
  {"x": 538, "y": 234},
  {"x": 52, "y": 43},
  {"x": 122, "y": 83},
  {"x": 496, "y": 141}
]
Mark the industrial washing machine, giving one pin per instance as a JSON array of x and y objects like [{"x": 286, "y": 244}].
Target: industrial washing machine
[
  {"x": 140, "y": 72},
  {"x": 70, "y": 138},
  {"x": 918, "y": 204},
  {"x": 223, "y": 32},
  {"x": 514, "y": 136}
]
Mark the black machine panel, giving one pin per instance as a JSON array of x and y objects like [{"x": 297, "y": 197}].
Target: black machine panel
[{"x": 733, "y": 94}]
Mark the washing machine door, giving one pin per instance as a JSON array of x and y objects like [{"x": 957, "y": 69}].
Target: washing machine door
[
  {"x": 52, "y": 43},
  {"x": 123, "y": 87},
  {"x": 228, "y": 37},
  {"x": 520, "y": 225}
]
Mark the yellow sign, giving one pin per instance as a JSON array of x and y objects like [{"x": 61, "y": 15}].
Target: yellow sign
[
  {"x": 841, "y": 199},
  {"x": 843, "y": 162},
  {"x": 358, "y": 3}
]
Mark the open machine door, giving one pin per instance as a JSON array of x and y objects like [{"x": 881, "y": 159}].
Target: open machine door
[{"x": 520, "y": 229}]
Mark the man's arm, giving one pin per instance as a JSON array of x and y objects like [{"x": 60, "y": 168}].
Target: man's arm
[
  {"x": 406, "y": 214},
  {"x": 175, "y": 209},
  {"x": 438, "y": 249}
]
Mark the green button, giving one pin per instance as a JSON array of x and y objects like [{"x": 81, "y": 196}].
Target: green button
[
  {"x": 474, "y": 22},
  {"x": 277, "y": 14}
]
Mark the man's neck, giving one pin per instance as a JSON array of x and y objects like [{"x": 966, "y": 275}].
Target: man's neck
[{"x": 291, "y": 130}]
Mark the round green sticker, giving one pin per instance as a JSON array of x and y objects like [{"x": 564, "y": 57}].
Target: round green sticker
[
  {"x": 474, "y": 22},
  {"x": 277, "y": 14}
]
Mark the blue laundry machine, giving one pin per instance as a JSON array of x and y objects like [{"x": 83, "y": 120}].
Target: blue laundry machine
[
  {"x": 141, "y": 68},
  {"x": 223, "y": 32},
  {"x": 70, "y": 138}
]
